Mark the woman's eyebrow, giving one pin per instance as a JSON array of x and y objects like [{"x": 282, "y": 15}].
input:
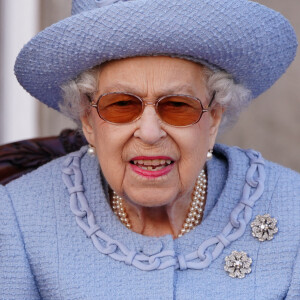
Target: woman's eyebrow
[
  {"x": 180, "y": 88},
  {"x": 120, "y": 87}
]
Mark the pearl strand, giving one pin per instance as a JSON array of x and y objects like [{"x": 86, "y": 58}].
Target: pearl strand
[
  {"x": 119, "y": 210},
  {"x": 194, "y": 215},
  {"x": 196, "y": 210}
]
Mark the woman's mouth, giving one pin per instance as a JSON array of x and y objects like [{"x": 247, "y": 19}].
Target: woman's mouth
[{"x": 152, "y": 166}]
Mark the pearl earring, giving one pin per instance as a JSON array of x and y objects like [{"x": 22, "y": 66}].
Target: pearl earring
[
  {"x": 91, "y": 151},
  {"x": 209, "y": 154}
]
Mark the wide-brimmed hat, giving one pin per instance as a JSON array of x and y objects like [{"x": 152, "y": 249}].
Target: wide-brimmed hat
[{"x": 248, "y": 40}]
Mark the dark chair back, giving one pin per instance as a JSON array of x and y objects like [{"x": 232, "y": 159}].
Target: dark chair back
[{"x": 22, "y": 157}]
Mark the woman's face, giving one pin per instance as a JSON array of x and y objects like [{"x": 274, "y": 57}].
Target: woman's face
[{"x": 125, "y": 151}]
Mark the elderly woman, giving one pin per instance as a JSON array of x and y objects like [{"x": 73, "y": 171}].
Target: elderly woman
[{"x": 152, "y": 208}]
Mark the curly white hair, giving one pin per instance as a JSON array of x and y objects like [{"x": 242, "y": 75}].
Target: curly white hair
[{"x": 230, "y": 95}]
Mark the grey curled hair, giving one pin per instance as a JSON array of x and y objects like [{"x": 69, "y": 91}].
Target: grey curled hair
[{"x": 231, "y": 96}]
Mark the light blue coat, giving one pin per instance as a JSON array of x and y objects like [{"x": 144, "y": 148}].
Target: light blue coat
[{"x": 45, "y": 254}]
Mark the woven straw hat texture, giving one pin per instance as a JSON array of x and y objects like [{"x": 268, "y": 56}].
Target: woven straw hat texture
[{"x": 252, "y": 42}]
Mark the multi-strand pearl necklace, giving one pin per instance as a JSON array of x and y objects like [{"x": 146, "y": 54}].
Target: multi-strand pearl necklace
[
  {"x": 119, "y": 210},
  {"x": 194, "y": 215}
]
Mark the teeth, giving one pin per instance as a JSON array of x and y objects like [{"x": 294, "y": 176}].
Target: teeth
[
  {"x": 155, "y": 162},
  {"x": 149, "y": 164},
  {"x": 159, "y": 168}
]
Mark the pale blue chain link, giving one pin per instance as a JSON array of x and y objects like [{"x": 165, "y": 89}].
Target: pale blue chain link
[{"x": 201, "y": 258}]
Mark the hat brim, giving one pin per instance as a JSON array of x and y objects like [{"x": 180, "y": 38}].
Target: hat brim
[{"x": 250, "y": 41}]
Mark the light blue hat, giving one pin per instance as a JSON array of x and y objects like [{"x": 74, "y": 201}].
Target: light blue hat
[{"x": 250, "y": 41}]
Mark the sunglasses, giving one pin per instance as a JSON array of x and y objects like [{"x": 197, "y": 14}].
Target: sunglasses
[{"x": 175, "y": 110}]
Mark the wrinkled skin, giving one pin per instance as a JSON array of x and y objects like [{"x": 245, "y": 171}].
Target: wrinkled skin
[{"x": 156, "y": 206}]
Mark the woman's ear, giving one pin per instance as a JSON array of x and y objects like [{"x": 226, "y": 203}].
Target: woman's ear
[
  {"x": 216, "y": 114},
  {"x": 87, "y": 128}
]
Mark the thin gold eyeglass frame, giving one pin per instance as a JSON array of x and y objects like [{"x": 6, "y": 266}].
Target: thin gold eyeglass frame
[{"x": 155, "y": 104}]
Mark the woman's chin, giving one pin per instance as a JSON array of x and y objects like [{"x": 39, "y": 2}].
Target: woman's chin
[{"x": 150, "y": 198}]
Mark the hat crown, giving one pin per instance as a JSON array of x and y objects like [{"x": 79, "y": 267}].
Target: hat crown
[
  {"x": 250, "y": 41},
  {"x": 79, "y": 6}
]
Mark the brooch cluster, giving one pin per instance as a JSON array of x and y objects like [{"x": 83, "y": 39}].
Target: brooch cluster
[
  {"x": 237, "y": 264},
  {"x": 264, "y": 227}
]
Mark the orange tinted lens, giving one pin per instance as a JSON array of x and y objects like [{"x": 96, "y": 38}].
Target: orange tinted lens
[
  {"x": 179, "y": 110},
  {"x": 119, "y": 108}
]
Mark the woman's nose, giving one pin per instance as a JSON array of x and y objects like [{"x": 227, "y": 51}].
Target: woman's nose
[{"x": 149, "y": 128}]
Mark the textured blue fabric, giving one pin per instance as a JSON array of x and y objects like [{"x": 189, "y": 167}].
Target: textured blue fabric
[
  {"x": 201, "y": 257},
  {"x": 44, "y": 254},
  {"x": 250, "y": 41}
]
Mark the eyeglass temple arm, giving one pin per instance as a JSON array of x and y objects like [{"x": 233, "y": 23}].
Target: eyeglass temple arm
[
  {"x": 89, "y": 97},
  {"x": 92, "y": 103},
  {"x": 212, "y": 99}
]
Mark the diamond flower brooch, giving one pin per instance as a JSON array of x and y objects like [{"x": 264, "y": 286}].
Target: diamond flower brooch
[
  {"x": 237, "y": 264},
  {"x": 264, "y": 227}
]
